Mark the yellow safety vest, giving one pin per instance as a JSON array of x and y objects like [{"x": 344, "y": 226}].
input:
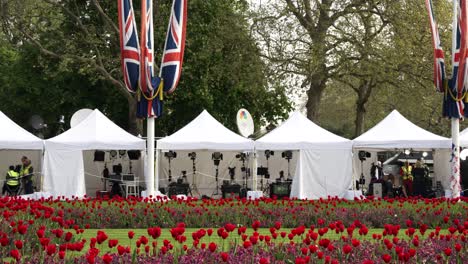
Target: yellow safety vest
[
  {"x": 25, "y": 170},
  {"x": 407, "y": 173},
  {"x": 13, "y": 178}
]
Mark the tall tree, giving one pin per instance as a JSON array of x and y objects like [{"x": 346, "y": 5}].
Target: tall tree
[{"x": 222, "y": 69}]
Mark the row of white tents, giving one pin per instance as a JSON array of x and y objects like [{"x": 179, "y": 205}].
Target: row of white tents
[{"x": 326, "y": 163}]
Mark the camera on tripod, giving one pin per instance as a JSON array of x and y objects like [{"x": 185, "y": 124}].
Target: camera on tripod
[
  {"x": 363, "y": 155},
  {"x": 263, "y": 171},
  {"x": 170, "y": 154},
  {"x": 269, "y": 153},
  {"x": 287, "y": 154},
  {"x": 241, "y": 156},
  {"x": 217, "y": 157},
  {"x": 192, "y": 155}
]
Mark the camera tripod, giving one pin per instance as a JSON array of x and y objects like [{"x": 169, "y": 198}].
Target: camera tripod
[
  {"x": 194, "y": 185},
  {"x": 216, "y": 192}
]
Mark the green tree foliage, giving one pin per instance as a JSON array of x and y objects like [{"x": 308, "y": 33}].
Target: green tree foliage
[{"x": 69, "y": 53}]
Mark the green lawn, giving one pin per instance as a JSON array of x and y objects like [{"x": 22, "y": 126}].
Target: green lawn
[{"x": 122, "y": 236}]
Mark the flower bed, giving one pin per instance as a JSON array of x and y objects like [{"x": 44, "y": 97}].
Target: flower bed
[{"x": 50, "y": 231}]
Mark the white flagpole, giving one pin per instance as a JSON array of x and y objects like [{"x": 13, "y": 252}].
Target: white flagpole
[
  {"x": 455, "y": 175},
  {"x": 150, "y": 123}
]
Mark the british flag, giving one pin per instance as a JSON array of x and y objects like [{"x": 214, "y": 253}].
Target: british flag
[
  {"x": 454, "y": 104},
  {"x": 129, "y": 47},
  {"x": 171, "y": 65},
  {"x": 439, "y": 62},
  {"x": 147, "y": 46}
]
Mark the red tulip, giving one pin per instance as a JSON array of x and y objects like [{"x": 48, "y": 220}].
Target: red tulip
[
  {"x": 51, "y": 248},
  {"x": 131, "y": 234},
  {"x": 19, "y": 244},
  {"x": 224, "y": 256},
  {"x": 121, "y": 250},
  {"x": 62, "y": 254},
  {"x": 107, "y": 258},
  {"x": 15, "y": 254},
  {"x": 101, "y": 236},
  {"x": 347, "y": 249},
  {"x": 113, "y": 243},
  {"x": 387, "y": 258},
  {"x": 355, "y": 242},
  {"x": 212, "y": 247},
  {"x": 448, "y": 251},
  {"x": 264, "y": 261},
  {"x": 458, "y": 247}
]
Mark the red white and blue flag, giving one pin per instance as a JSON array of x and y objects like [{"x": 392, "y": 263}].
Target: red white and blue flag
[
  {"x": 147, "y": 46},
  {"x": 439, "y": 62},
  {"x": 171, "y": 65},
  {"x": 129, "y": 47}
]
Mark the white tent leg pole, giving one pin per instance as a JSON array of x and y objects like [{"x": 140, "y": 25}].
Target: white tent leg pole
[
  {"x": 150, "y": 149},
  {"x": 455, "y": 175},
  {"x": 156, "y": 173},
  {"x": 254, "y": 171}
]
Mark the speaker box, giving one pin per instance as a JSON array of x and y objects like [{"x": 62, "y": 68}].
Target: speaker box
[
  {"x": 377, "y": 189},
  {"x": 99, "y": 155}
]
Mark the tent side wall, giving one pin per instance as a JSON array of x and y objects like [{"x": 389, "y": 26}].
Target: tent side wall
[{"x": 322, "y": 173}]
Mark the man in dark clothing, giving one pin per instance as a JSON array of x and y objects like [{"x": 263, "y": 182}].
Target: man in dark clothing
[{"x": 26, "y": 173}]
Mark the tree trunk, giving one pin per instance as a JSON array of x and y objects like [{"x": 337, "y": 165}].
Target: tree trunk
[
  {"x": 314, "y": 95},
  {"x": 360, "y": 117},
  {"x": 135, "y": 125},
  {"x": 364, "y": 91}
]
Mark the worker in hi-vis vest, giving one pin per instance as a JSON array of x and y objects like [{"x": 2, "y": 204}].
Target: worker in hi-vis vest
[
  {"x": 406, "y": 173},
  {"x": 26, "y": 172},
  {"x": 11, "y": 181}
]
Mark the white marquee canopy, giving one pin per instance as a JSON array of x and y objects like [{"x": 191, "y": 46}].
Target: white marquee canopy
[
  {"x": 63, "y": 160},
  {"x": 324, "y": 167},
  {"x": 12, "y": 136},
  {"x": 205, "y": 133},
  {"x": 396, "y": 132}
]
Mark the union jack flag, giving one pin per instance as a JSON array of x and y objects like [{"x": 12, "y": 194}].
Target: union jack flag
[
  {"x": 439, "y": 62},
  {"x": 171, "y": 65},
  {"x": 453, "y": 104},
  {"x": 147, "y": 46},
  {"x": 129, "y": 47}
]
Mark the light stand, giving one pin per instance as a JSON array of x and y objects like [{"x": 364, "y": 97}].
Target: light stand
[
  {"x": 170, "y": 155},
  {"x": 193, "y": 157},
  {"x": 217, "y": 157},
  {"x": 288, "y": 156},
  {"x": 268, "y": 154},
  {"x": 242, "y": 157}
]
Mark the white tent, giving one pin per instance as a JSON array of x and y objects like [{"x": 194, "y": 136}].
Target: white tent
[
  {"x": 324, "y": 166},
  {"x": 464, "y": 138},
  {"x": 16, "y": 142},
  {"x": 205, "y": 133},
  {"x": 63, "y": 160},
  {"x": 202, "y": 134},
  {"x": 13, "y": 136},
  {"x": 395, "y": 132}
]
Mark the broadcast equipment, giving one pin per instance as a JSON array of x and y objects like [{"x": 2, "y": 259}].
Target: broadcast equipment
[
  {"x": 61, "y": 123},
  {"x": 217, "y": 157},
  {"x": 79, "y": 116},
  {"x": 113, "y": 154},
  {"x": 134, "y": 154},
  {"x": 269, "y": 153},
  {"x": 230, "y": 190},
  {"x": 99, "y": 155},
  {"x": 37, "y": 122},
  {"x": 245, "y": 123},
  {"x": 243, "y": 157},
  {"x": 117, "y": 169},
  {"x": 170, "y": 155},
  {"x": 281, "y": 189},
  {"x": 193, "y": 157},
  {"x": 122, "y": 153},
  {"x": 232, "y": 173},
  {"x": 363, "y": 155},
  {"x": 288, "y": 156}
]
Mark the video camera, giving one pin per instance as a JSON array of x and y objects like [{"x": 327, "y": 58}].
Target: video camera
[
  {"x": 217, "y": 157},
  {"x": 287, "y": 154},
  {"x": 241, "y": 156},
  {"x": 363, "y": 155},
  {"x": 192, "y": 155},
  {"x": 170, "y": 154},
  {"x": 269, "y": 153}
]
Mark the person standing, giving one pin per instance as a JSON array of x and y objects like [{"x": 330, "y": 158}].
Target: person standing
[
  {"x": 11, "y": 181},
  {"x": 26, "y": 172},
  {"x": 406, "y": 173},
  {"x": 376, "y": 172},
  {"x": 419, "y": 179}
]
